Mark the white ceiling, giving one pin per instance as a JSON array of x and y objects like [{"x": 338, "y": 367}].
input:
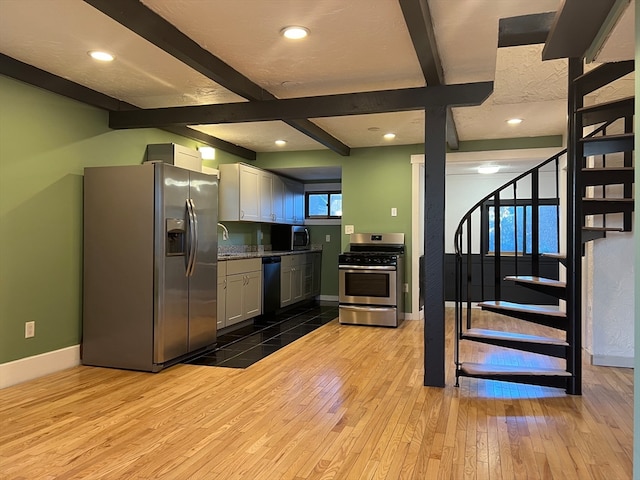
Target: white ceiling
[{"x": 355, "y": 45}]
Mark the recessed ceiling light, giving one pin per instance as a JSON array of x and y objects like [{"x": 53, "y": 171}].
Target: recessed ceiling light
[
  {"x": 101, "y": 56},
  {"x": 514, "y": 121},
  {"x": 488, "y": 169},
  {"x": 294, "y": 32},
  {"x": 281, "y": 143},
  {"x": 389, "y": 136}
]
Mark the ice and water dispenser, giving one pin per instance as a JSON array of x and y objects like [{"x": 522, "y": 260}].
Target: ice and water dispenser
[{"x": 176, "y": 237}]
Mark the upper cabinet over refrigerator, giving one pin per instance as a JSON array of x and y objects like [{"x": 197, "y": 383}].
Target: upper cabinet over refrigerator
[{"x": 150, "y": 261}]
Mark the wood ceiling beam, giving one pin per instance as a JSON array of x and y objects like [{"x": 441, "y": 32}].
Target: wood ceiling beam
[
  {"x": 383, "y": 101},
  {"x": 39, "y": 78},
  {"x": 575, "y": 27},
  {"x": 155, "y": 29},
  {"x": 525, "y": 29},
  {"x": 417, "y": 17}
]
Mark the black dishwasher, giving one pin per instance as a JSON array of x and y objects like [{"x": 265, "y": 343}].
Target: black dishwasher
[{"x": 270, "y": 284}]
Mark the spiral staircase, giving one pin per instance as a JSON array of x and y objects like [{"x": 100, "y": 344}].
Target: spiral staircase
[{"x": 598, "y": 202}]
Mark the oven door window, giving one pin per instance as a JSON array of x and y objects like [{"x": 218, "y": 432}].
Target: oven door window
[{"x": 367, "y": 284}]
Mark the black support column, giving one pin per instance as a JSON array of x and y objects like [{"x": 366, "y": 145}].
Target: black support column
[
  {"x": 433, "y": 282},
  {"x": 574, "y": 230}
]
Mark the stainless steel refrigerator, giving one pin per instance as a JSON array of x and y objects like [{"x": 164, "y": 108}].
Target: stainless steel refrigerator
[{"x": 150, "y": 265}]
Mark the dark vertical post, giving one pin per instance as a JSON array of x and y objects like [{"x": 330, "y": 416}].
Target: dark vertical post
[
  {"x": 574, "y": 233},
  {"x": 433, "y": 286},
  {"x": 469, "y": 272},
  {"x": 497, "y": 248},
  {"x": 535, "y": 223},
  {"x": 557, "y": 162},
  {"x": 484, "y": 245}
]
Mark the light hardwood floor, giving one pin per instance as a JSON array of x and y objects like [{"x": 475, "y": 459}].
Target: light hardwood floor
[{"x": 344, "y": 402}]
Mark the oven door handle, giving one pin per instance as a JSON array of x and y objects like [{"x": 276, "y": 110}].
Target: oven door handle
[
  {"x": 367, "y": 308},
  {"x": 387, "y": 268}
]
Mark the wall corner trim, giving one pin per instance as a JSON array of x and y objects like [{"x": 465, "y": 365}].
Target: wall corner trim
[{"x": 24, "y": 369}]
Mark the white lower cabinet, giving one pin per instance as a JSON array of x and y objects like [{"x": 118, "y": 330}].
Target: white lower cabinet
[
  {"x": 286, "y": 271},
  {"x": 240, "y": 285},
  {"x": 296, "y": 278},
  {"x": 243, "y": 296}
]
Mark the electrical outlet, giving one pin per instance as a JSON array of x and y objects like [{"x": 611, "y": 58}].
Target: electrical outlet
[
  {"x": 348, "y": 229},
  {"x": 29, "y": 329},
  {"x": 406, "y": 288},
  {"x": 327, "y": 238}
]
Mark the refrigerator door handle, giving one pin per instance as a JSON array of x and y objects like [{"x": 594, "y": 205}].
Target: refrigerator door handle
[
  {"x": 191, "y": 239},
  {"x": 194, "y": 253}
]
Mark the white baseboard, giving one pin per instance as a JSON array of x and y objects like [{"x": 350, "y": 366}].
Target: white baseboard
[
  {"x": 329, "y": 298},
  {"x": 414, "y": 316},
  {"x": 18, "y": 371},
  {"x": 612, "y": 361}
]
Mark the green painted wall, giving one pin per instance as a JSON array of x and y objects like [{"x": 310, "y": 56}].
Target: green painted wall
[
  {"x": 373, "y": 181},
  {"x": 330, "y": 252},
  {"x": 46, "y": 140}
]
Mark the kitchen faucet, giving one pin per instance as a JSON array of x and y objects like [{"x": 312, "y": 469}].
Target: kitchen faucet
[{"x": 225, "y": 232}]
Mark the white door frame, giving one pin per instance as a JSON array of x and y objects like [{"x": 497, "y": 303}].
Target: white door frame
[{"x": 417, "y": 231}]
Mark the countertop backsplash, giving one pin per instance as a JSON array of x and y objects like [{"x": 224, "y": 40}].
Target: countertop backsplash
[{"x": 226, "y": 252}]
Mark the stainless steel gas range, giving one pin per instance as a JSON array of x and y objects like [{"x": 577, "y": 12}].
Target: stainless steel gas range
[{"x": 371, "y": 279}]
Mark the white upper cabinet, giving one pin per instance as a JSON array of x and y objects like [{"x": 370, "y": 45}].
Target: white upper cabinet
[
  {"x": 271, "y": 198},
  {"x": 277, "y": 199},
  {"x": 239, "y": 194},
  {"x": 251, "y": 194},
  {"x": 293, "y": 202}
]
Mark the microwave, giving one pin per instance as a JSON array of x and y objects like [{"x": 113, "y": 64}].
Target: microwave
[{"x": 290, "y": 237}]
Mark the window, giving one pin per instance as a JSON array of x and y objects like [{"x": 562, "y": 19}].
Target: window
[
  {"x": 323, "y": 205},
  {"x": 516, "y": 226}
]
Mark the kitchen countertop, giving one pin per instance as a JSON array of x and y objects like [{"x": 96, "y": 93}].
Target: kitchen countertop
[{"x": 265, "y": 253}]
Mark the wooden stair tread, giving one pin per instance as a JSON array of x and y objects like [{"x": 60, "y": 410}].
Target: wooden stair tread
[
  {"x": 603, "y": 229},
  {"x": 607, "y": 205},
  {"x": 560, "y": 256},
  {"x": 536, "y": 280},
  {"x": 608, "y": 169},
  {"x": 607, "y": 199},
  {"x": 607, "y": 144},
  {"x": 493, "y": 369},
  {"x": 606, "y": 105},
  {"x": 550, "y": 310},
  {"x": 608, "y": 137},
  {"x": 606, "y": 111},
  {"x": 511, "y": 336}
]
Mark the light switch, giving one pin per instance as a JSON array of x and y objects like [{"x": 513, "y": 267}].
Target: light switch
[
  {"x": 327, "y": 238},
  {"x": 394, "y": 212},
  {"x": 348, "y": 229}
]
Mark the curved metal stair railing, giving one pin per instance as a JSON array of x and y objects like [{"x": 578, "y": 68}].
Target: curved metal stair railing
[{"x": 465, "y": 247}]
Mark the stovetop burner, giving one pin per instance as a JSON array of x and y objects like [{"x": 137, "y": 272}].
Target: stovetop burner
[
  {"x": 368, "y": 258},
  {"x": 373, "y": 249}
]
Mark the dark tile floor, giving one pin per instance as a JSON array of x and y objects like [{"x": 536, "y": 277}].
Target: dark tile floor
[{"x": 246, "y": 345}]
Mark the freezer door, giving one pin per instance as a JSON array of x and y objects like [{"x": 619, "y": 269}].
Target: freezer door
[
  {"x": 203, "y": 277},
  {"x": 171, "y": 316}
]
